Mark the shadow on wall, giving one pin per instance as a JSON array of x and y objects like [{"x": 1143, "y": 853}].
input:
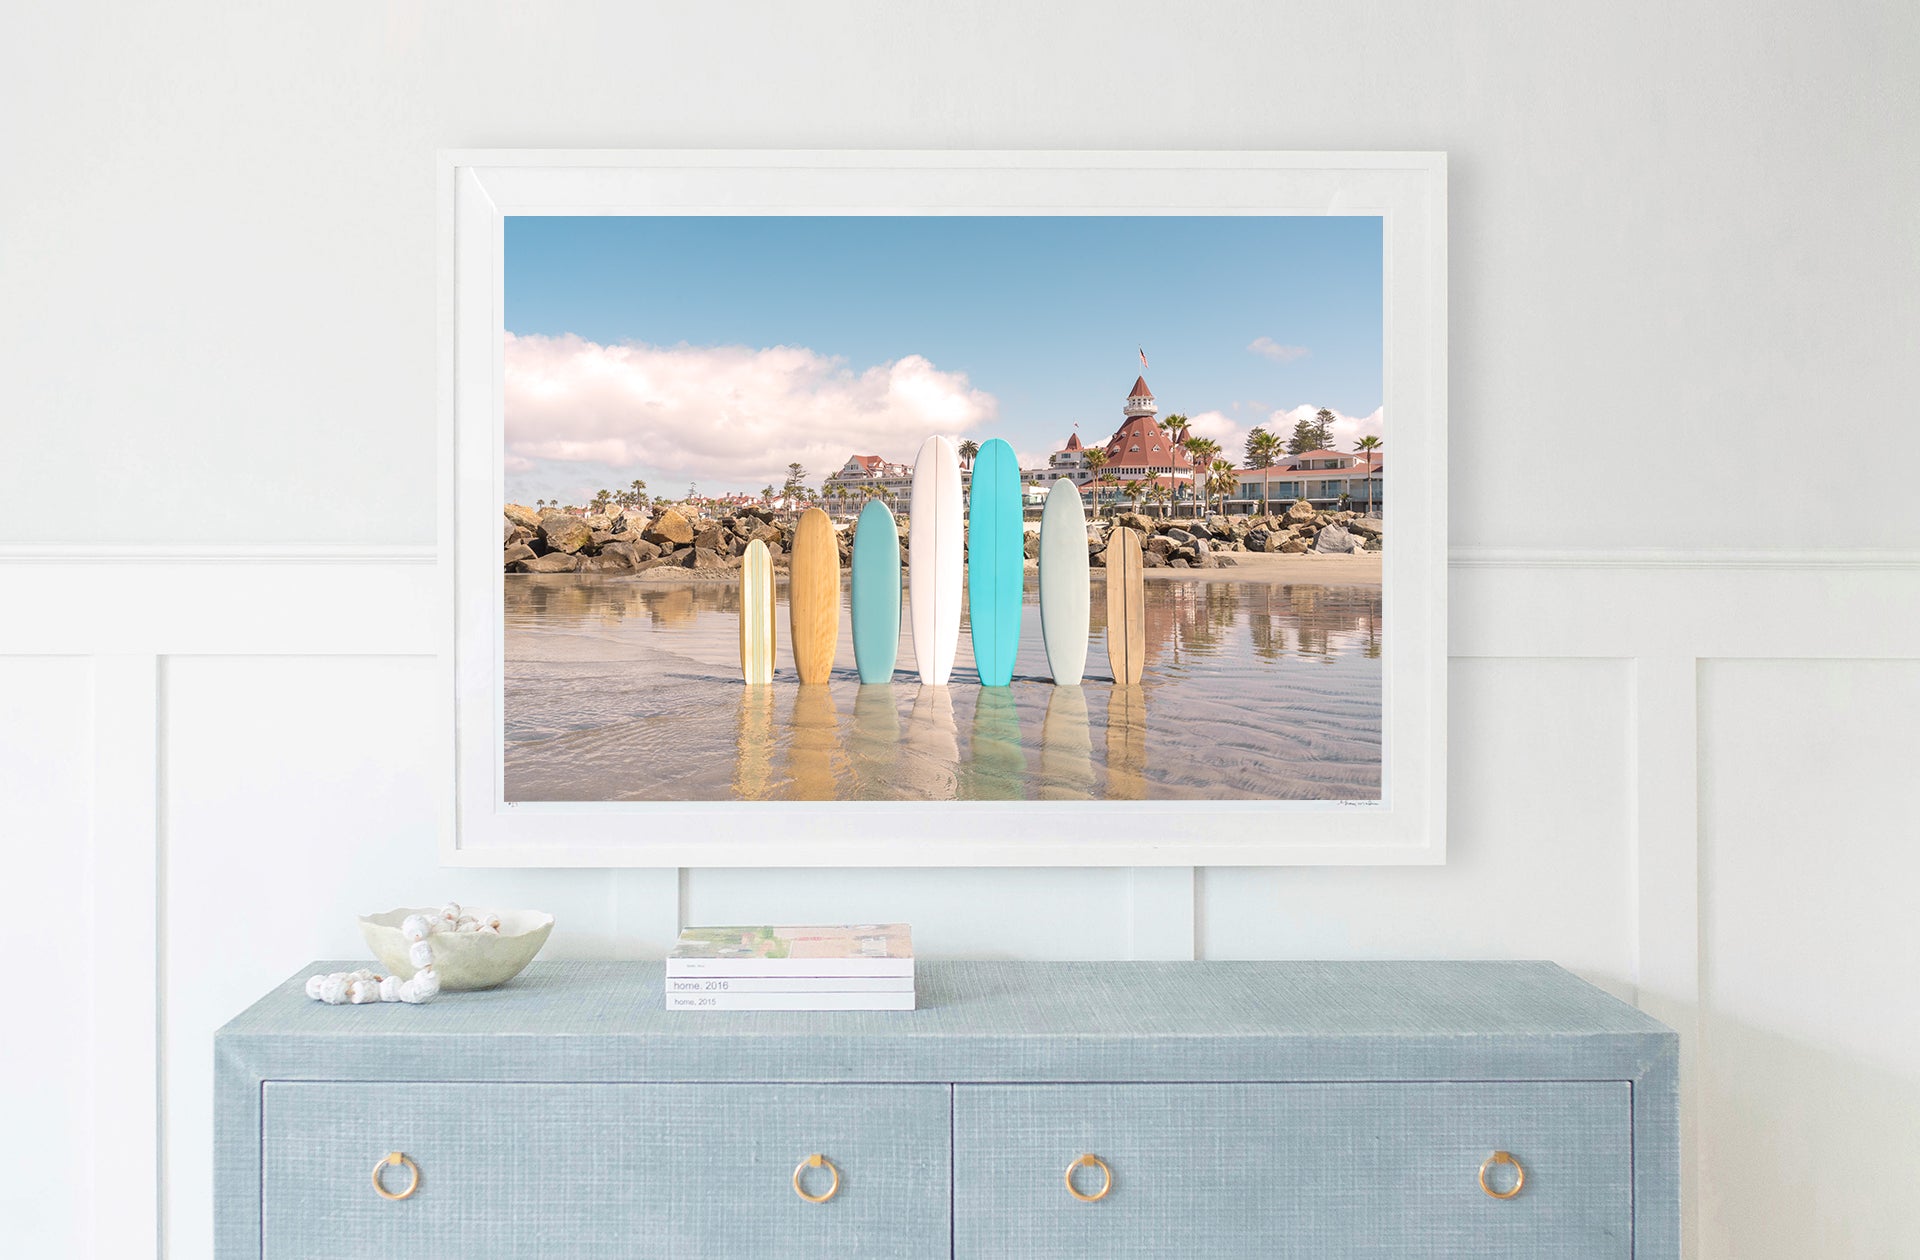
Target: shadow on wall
[{"x": 1773, "y": 1111}]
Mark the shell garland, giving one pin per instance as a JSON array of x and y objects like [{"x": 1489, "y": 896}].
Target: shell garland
[{"x": 357, "y": 988}]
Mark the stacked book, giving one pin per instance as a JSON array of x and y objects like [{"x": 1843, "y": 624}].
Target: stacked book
[{"x": 864, "y": 967}]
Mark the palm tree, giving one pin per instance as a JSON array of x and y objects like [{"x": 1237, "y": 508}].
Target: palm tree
[
  {"x": 1176, "y": 426},
  {"x": 1133, "y": 489},
  {"x": 968, "y": 449},
  {"x": 1200, "y": 453},
  {"x": 1263, "y": 446},
  {"x": 1367, "y": 446},
  {"x": 1096, "y": 460},
  {"x": 1222, "y": 481}
]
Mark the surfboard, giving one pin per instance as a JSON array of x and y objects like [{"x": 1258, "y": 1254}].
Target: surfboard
[
  {"x": 996, "y": 562},
  {"x": 1065, "y": 587},
  {"x": 876, "y": 593},
  {"x": 1126, "y": 608},
  {"x": 813, "y": 597},
  {"x": 935, "y": 559},
  {"x": 756, "y": 614}
]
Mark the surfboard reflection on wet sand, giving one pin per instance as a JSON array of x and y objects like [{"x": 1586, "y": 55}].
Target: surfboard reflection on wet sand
[{"x": 624, "y": 689}]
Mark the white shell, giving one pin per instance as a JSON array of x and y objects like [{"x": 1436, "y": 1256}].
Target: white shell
[
  {"x": 420, "y": 954},
  {"x": 464, "y": 960},
  {"x": 416, "y": 927}
]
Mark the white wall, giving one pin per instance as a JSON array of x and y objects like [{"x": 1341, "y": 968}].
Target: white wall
[{"x": 1684, "y": 244}]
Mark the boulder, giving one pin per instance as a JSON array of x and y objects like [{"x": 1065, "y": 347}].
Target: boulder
[
  {"x": 1177, "y": 563},
  {"x": 1032, "y": 548},
  {"x": 1371, "y": 544},
  {"x": 1159, "y": 546},
  {"x": 704, "y": 558},
  {"x": 600, "y": 522},
  {"x": 1152, "y": 560},
  {"x": 669, "y": 529},
  {"x": 1335, "y": 540},
  {"x": 1299, "y": 513},
  {"x": 1218, "y": 526},
  {"x": 518, "y": 535},
  {"x": 712, "y": 538},
  {"x": 1133, "y": 520},
  {"x": 525, "y": 517},
  {"x": 1292, "y": 546},
  {"x": 756, "y": 530},
  {"x": 1098, "y": 559},
  {"x": 566, "y": 534},
  {"x": 558, "y": 562},
  {"x": 605, "y": 564},
  {"x": 1367, "y": 526},
  {"x": 601, "y": 537},
  {"x": 517, "y": 551},
  {"x": 1224, "y": 562},
  {"x": 634, "y": 551},
  {"x": 1178, "y": 534}
]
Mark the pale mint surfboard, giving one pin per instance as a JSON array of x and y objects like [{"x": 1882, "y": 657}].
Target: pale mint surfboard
[
  {"x": 996, "y": 562},
  {"x": 1065, "y": 584},
  {"x": 876, "y": 593}
]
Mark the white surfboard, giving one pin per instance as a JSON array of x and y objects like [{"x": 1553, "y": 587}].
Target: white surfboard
[
  {"x": 936, "y": 559},
  {"x": 1065, "y": 583}
]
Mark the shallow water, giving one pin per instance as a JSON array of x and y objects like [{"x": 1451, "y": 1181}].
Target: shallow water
[{"x": 623, "y": 689}]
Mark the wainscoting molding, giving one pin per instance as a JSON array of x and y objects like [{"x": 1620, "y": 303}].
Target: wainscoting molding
[{"x": 131, "y": 610}]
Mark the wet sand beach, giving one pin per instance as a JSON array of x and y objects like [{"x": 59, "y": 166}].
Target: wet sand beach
[{"x": 1257, "y": 686}]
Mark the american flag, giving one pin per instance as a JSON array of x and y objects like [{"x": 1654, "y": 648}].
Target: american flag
[{"x": 1143, "y": 359}]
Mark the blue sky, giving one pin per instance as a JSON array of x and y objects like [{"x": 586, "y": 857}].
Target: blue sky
[{"x": 1026, "y": 326}]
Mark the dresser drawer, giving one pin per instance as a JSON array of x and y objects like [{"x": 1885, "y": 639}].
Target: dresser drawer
[
  {"x": 1307, "y": 1170},
  {"x": 579, "y": 1171}
]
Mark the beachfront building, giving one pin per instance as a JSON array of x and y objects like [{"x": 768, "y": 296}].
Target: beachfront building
[
  {"x": 1070, "y": 461},
  {"x": 856, "y": 480},
  {"x": 1322, "y": 478},
  {"x": 1140, "y": 451}
]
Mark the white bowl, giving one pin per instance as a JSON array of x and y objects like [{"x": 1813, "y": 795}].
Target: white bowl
[{"x": 462, "y": 960}]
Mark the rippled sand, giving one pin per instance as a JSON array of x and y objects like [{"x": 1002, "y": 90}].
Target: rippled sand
[{"x": 618, "y": 689}]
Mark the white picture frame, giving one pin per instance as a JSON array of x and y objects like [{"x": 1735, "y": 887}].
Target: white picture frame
[{"x": 478, "y": 189}]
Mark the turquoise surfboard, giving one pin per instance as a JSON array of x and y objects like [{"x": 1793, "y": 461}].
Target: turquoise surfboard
[
  {"x": 996, "y": 562},
  {"x": 876, "y": 593}
]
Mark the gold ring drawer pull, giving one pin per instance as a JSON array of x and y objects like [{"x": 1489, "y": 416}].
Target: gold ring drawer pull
[
  {"x": 816, "y": 1161},
  {"x": 394, "y": 1159},
  {"x": 1519, "y": 1175},
  {"x": 1106, "y": 1174}
]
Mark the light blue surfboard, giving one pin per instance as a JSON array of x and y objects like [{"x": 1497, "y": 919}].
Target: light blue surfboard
[
  {"x": 876, "y": 593},
  {"x": 996, "y": 562}
]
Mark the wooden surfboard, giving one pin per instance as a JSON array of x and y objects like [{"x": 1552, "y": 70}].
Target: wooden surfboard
[
  {"x": 996, "y": 562},
  {"x": 1126, "y": 608},
  {"x": 756, "y": 615},
  {"x": 935, "y": 559},
  {"x": 876, "y": 593},
  {"x": 1065, "y": 587},
  {"x": 813, "y": 597}
]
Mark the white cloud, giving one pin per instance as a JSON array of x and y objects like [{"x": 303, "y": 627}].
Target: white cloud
[
  {"x": 1268, "y": 348},
  {"x": 725, "y": 416},
  {"x": 1221, "y": 428}
]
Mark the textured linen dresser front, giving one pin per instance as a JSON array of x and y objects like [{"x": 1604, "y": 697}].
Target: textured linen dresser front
[{"x": 1234, "y": 1109}]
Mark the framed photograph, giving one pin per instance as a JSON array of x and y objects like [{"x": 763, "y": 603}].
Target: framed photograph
[{"x": 945, "y": 508}]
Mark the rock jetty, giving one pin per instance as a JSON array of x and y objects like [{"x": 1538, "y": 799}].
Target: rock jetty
[{"x": 627, "y": 540}]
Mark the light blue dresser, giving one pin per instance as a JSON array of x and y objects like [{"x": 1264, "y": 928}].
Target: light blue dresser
[{"x": 1228, "y": 1109}]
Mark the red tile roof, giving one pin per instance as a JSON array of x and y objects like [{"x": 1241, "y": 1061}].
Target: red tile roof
[
  {"x": 1142, "y": 432},
  {"x": 1140, "y": 389},
  {"x": 1073, "y": 443}
]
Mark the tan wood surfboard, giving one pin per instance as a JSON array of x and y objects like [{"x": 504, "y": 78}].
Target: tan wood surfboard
[
  {"x": 813, "y": 597},
  {"x": 756, "y": 615},
  {"x": 1126, "y": 608}
]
